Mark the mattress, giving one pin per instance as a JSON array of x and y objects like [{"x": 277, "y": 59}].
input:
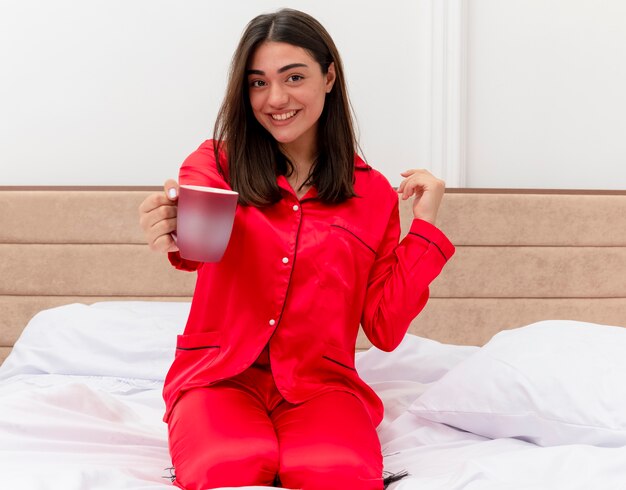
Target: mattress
[{"x": 537, "y": 407}]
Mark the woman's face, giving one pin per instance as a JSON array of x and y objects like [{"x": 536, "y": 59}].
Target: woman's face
[{"x": 287, "y": 90}]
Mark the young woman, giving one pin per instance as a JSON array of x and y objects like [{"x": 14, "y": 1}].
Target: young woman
[{"x": 263, "y": 388}]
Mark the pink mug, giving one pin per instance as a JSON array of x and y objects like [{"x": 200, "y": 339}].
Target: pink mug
[{"x": 205, "y": 222}]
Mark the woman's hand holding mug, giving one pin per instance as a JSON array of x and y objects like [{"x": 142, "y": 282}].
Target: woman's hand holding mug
[{"x": 157, "y": 217}]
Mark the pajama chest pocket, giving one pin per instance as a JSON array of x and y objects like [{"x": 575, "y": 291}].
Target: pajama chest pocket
[
  {"x": 339, "y": 357},
  {"x": 356, "y": 238},
  {"x": 346, "y": 258}
]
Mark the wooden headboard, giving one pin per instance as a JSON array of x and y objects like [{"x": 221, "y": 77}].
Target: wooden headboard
[{"x": 522, "y": 256}]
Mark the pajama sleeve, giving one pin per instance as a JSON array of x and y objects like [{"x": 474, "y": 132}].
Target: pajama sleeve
[{"x": 398, "y": 285}]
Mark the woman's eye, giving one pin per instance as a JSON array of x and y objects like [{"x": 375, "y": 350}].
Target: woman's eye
[
  {"x": 295, "y": 78},
  {"x": 257, "y": 83}
]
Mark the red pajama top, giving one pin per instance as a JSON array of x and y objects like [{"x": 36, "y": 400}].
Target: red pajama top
[{"x": 299, "y": 277}]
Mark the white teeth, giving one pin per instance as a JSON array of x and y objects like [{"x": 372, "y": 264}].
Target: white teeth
[{"x": 283, "y": 117}]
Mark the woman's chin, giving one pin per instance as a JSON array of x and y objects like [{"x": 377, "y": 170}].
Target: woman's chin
[{"x": 283, "y": 139}]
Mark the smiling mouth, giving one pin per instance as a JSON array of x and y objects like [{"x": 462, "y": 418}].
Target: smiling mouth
[{"x": 284, "y": 116}]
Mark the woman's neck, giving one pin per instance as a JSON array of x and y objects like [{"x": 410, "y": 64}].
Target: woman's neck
[{"x": 302, "y": 159}]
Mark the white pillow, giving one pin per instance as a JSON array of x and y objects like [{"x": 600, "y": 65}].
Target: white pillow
[
  {"x": 551, "y": 383},
  {"x": 125, "y": 339},
  {"x": 416, "y": 359}
]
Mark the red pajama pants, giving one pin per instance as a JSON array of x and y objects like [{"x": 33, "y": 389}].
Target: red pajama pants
[{"x": 241, "y": 432}]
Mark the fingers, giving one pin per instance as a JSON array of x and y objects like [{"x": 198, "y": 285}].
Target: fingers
[
  {"x": 164, "y": 224},
  {"x": 417, "y": 181},
  {"x": 428, "y": 191},
  {"x": 171, "y": 189},
  {"x": 157, "y": 199},
  {"x": 153, "y": 201},
  {"x": 406, "y": 174},
  {"x": 164, "y": 243},
  {"x": 157, "y": 217},
  {"x": 154, "y": 209}
]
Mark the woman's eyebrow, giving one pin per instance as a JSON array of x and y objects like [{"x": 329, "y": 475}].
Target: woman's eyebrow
[
  {"x": 292, "y": 66},
  {"x": 280, "y": 70}
]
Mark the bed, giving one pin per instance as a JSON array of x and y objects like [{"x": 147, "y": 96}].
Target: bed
[{"x": 513, "y": 377}]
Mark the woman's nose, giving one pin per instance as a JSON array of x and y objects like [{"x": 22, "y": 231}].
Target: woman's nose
[{"x": 278, "y": 96}]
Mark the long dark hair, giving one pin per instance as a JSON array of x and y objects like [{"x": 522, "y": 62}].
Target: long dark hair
[{"x": 254, "y": 157}]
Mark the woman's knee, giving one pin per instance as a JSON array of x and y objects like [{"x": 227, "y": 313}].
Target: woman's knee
[
  {"x": 233, "y": 444},
  {"x": 329, "y": 442},
  {"x": 219, "y": 437},
  {"x": 329, "y": 468},
  {"x": 234, "y": 463}
]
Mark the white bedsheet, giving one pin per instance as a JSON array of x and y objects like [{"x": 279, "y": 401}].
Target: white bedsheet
[{"x": 81, "y": 408}]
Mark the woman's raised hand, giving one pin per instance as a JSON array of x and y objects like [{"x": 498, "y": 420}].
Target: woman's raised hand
[
  {"x": 157, "y": 217},
  {"x": 428, "y": 191}
]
